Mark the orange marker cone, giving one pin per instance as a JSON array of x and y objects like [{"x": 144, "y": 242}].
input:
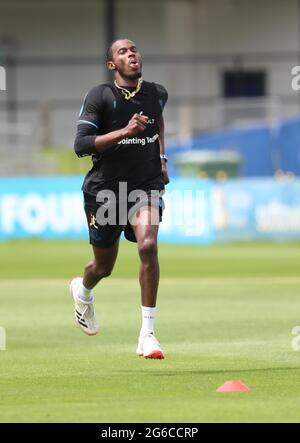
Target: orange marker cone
[{"x": 233, "y": 386}]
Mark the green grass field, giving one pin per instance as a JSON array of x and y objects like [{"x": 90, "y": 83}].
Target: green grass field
[{"x": 225, "y": 312}]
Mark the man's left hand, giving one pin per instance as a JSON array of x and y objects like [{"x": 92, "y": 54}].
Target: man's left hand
[{"x": 165, "y": 172}]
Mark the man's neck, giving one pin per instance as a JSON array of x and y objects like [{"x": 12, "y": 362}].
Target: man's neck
[{"x": 126, "y": 82}]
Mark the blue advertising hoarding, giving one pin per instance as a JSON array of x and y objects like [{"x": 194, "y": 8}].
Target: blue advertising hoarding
[
  {"x": 257, "y": 209},
  {"x": 196, "y": 211},
  {"x": 47, "y": 207},
  {"x": 52, "y": 208},
  {"x": 188, "y": 215}
]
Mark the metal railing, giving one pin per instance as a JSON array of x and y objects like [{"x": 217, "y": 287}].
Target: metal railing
[{"x": 26, "y": 125}]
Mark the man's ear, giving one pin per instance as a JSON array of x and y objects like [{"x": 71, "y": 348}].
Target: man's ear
[{"x": 111, "y": 66}]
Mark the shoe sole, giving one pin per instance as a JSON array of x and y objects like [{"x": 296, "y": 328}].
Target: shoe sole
[
  {"x": 90, "y": 334},
  {"x": 77, "y": 324},
  {"x": 155, "y": 355}
]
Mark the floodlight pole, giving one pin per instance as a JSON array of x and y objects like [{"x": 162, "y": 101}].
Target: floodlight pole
[
  {"x": 298, "y": 14},
  {"x": 9, "y": 49},
  {"x": 111, "y": 13}
]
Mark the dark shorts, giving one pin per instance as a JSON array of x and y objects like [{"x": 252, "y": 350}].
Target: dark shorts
[{"x": 104, "y": 233}]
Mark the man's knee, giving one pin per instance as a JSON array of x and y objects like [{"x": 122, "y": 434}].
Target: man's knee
[
  {"x": 103, "y": 270},
  {"x": 100, "y": 269},
  {"x": 147, "y": 247}
]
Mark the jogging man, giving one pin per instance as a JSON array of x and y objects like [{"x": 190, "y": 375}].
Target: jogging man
[{"x": 121, "y": 127}]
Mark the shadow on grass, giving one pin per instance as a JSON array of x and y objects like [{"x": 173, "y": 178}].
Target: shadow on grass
[{"x": 204, "y": 372}]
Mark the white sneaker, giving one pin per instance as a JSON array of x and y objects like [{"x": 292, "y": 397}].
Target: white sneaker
[
  {"x": 149, "y": 347},
  {"x": 83, "y": 310}
]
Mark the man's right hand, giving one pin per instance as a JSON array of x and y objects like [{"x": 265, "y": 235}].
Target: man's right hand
[{"x": 136, "y": 124}]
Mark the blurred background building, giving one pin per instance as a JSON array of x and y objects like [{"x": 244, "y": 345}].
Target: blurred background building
[
  {"x": 225, "y": 63},
  {"x": 232, "y": 111}
]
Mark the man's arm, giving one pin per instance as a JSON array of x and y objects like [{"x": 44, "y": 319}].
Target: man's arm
[
  {"x": 87, "y": 142},
  {"x": 161, "y": 139},
  {"x": 135, "y": 125}
]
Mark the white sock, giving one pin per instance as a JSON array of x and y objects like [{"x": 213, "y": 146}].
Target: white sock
[
  {"x": 148, "y": 317},
  {"x": 84, "y": 294}
]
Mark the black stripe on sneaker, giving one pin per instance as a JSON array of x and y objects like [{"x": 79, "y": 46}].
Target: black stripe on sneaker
[
  {"x": 79, "y": 313},
  {"x": 81, "y": 323},
  {"x": 81, "y": 319}
]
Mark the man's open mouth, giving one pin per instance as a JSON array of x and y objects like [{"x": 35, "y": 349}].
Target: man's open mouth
[{"x": 134, "y": 64}]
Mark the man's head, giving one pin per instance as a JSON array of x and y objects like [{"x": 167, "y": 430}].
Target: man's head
[{"x": 123, "y": 56}]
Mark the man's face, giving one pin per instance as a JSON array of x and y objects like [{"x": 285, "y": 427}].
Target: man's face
[{"x": 127, "y": 59}]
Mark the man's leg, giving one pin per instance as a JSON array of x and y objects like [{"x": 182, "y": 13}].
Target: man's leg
[
  {"x": 146, "y": 235},
  {"x": 101, "y": 266},
  {"x": 81, "y": 288}
]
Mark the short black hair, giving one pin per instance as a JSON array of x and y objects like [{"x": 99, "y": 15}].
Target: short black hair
[
  {"x": 109, "y": 52},
  {"x": 109, "y": 55}
]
